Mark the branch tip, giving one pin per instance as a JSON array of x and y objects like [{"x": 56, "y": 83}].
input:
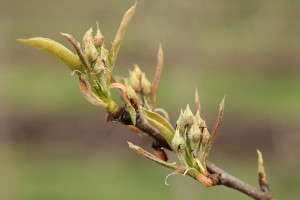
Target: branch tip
[{"x": 264, "y": 186}]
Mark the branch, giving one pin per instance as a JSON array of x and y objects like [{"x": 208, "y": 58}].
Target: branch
[
  {"x": 223, "y": 178},
  {"x": 236, "y": 184}
]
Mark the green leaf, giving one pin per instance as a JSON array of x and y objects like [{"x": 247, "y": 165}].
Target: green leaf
[
  {"x": 56, "y": 50},
  {"x": 120, "y": 35},
  {"x": 161, "y": 124}
]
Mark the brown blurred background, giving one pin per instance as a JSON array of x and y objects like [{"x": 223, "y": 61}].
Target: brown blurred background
[{"x": 54, "y": 145}]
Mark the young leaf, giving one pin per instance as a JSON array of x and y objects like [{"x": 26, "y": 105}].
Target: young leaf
[
  {"x": 89, "y": 95},
  {"x": 216, "y": 126},
  {"x": 120, "y": 34},
  {"x": 78, "y": 50},
  {"x": 161, "y": 124},
  {"x": 56, "y": 50},
  {"x": 157, "y": 77}
]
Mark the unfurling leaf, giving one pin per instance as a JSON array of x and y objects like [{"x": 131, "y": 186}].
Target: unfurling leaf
[
  {"x": 56, "y": 50},
  {"x": 157, "y": 77},
  {"x": 89, "y": 95},
  {"x": 78, "y": 50},
  {"x": 163, "y": 112},
  {"x": 216, "y": 126},
  {"x": 161, "y": 124},
  {"x": 120, "y": 34}
]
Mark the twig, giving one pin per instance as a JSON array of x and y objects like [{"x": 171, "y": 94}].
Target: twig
[{"x": 235, "y": 183}]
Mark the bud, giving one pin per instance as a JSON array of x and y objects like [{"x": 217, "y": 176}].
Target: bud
[
  {"x": 87, "y": 38},
  {"x": 178, "y": 146},
  {"x": 205, "y": 134},
  {"x": 198, "y": 119},
  {"x": 104, "y": 55},
  {"x": 188, "y": 115},
  {"x": 137, "y": 71},
  {"x": 204, "y": 142},
  {"x": 186, "y": 120},
  {"x": 91, "y": 52},
  {"x": 194, "y": 136},
  {"x": 131, "y": 93},
  {"x": 146, "y": 85},
  {"x": 98, "y": 39},
  {"x": 98, "y": 66},
  {"x": 134, "y": 81},
  {"x": 179, "y": 124}
]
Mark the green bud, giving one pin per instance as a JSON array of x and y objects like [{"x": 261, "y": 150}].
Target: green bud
[
  {"x": 204, "y": 142},
  {"x": 185, "y": 120},
  {"x": 98, "y": 66},
  {"x": 131, "y": 93},
  {"x": 188, "y": 116},
  {"x": 194, "y": 136},
  {"x": 137, "y": 71},
  {"x": 146, "y": 85},
  {"x": 104, "y": 55},
  {"x": 179, "y": 124},
  {"x": 205, "y": 133},
  {"x": 91, "y": 52},
  {"x": 198, "y": 119},
  {"x": 134, "y": 81},
  {"x": 87, "y": 38},
  {"x": 178, "y": 146}
]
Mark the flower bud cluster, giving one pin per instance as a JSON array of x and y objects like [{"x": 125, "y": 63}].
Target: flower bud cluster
[
  {"x": 191, "y": 140},
  {"x": 97, "y": 57},
  {"x": 141, "y": 85},
  {"x": 96, "y": 74}
]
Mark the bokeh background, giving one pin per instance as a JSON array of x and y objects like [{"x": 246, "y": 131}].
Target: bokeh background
[{"x": 54, "y": 145}]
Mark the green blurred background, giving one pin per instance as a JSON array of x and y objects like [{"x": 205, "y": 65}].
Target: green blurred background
[{"x": 54, "y": 145}]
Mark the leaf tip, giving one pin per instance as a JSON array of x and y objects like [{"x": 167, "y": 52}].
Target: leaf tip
[
  {"x": 131, "y": 146},
  {"x": 222, "y": 105},
  {"x": 21, "y": 40},
  {"x": 197, "y": 101}
]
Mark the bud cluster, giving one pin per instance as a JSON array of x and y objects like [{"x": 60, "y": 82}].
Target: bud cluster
[
  {"x": 97, "y": 69},
  {"x": 141, "y": 85},
  {"x": 191, "y": 140}
]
